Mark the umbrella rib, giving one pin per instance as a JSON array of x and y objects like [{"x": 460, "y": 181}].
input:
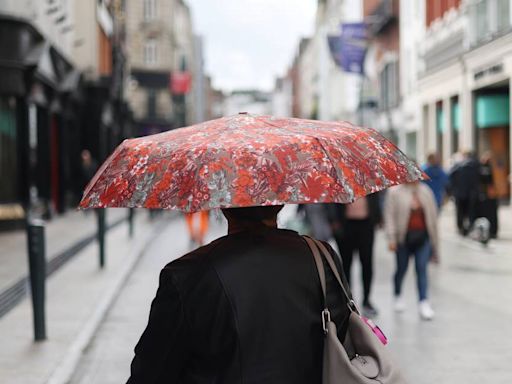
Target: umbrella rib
[{"x": 349, "y": 190}]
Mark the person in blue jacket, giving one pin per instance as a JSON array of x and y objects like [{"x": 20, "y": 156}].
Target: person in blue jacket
[{"x": 438, "y": 178}]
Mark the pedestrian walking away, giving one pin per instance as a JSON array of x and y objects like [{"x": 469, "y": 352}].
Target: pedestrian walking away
[
  {"x": 411, "y": 226},
  {"x": 197, "y": 225},
  {"x": 353, "y": 226},
  {"x": 438, "y": 178},
  {"x": 487, "y": 198},
  {"x": 464, "y": 184}
]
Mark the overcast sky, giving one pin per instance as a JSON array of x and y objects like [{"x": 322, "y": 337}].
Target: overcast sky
[{"x": 248, "y": 43}]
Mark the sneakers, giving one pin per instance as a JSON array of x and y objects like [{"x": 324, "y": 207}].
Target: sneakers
[
  {"x": 426, "y": 311},
  {"x": 399, "y": 304},
  {"x": 369, "y": 310}
]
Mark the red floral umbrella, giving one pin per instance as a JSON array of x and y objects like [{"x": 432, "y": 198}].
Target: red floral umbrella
[{"x": 249, "y": 160}]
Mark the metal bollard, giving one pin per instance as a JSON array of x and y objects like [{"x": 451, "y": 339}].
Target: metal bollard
[
  {"x": 100, "y": 213},
  {"x": 37, "y": 271},
  {"x": 131, "y": 215}
]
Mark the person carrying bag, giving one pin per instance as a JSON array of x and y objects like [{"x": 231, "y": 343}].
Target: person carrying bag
[{"x": 362, "y": 357}]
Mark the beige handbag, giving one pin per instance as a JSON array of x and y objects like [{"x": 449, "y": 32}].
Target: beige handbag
[{"x": 361, "y": 358}]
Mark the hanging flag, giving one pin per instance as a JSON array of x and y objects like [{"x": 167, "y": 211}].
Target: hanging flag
[
  {"x": 349, "y": 48},
  {"x": 180, "y": 82}
]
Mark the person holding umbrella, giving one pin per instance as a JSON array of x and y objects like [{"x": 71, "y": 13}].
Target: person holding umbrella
[{"x": 250, "y": 306}]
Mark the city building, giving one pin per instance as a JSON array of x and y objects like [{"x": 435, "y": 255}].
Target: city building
[
  {"x": 282, "y": 97},
  {"x": 250, "y": 100},
  {"x": 100, "y": 55},
  {"x": 163, "y": 67},
  {"x": 464, "y": 82},
  {"x": 382, "y": 67},
  {"x": 36, "y": 107}
]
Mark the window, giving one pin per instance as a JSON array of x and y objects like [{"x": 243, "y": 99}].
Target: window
[
  {"x": 489, "y": 17},
  {"x": 503, "y": 15},
  {"x": 149, "y": 9},
  {"x": 8, "y": 156},
  {"x": 150, "y": 52},
  {"x": 389, "y": 86}
]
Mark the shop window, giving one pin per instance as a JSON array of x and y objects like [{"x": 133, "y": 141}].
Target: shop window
[
  {"x": 151, "y": 110},
  {"x": 8, "y": 160},
  {"x": 456, "y": 123}
]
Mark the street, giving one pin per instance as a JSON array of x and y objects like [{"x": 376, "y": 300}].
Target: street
[{"x": 468, "y": 341}]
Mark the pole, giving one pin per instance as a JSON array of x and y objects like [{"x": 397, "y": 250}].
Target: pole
[
  {"x": 37, "y": 272},
  {"x": 131, "y": 215},
  {"x": 101, "y": 235}
]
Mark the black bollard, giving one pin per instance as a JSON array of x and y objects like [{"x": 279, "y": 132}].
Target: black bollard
[
  {"x": 100, "y": 213},
  {"x": 37, "y": 271},
  {"x": 131, "y": 215}
]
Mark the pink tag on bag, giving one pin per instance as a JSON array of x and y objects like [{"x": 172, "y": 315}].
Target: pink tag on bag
[{"x": 375, "y": 328}]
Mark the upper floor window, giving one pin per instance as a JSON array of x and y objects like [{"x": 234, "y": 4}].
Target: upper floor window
[
  {"x": 149, "y": 9},
  {"x": 389, "y": 86},
  {"x": 488, "y": 18},
  {"x": 150, "y": 52}
]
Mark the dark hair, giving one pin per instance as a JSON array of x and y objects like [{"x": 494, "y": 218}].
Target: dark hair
[{"x": 252, "y": 213}]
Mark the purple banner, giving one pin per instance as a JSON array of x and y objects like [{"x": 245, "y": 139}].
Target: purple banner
[{"x": 349, "y": 49}]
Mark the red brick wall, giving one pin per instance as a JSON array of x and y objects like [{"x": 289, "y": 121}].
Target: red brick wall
[{"x": 437, "y": 8}]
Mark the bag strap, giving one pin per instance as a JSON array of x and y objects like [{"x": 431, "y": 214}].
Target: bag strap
[
  {"x": 319, "y": 265},
  {"x": 315, "y": 245},
  {"x": 333, "y": 267}
]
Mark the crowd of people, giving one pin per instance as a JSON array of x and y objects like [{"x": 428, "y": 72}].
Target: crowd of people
[{"x": 409, "y": 215}]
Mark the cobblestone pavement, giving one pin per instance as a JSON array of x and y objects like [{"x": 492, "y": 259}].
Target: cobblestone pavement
[{"x": 469, "y": 341}]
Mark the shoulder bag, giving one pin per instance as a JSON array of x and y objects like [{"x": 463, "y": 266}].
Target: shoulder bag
[{"x": 362, "y": 357}]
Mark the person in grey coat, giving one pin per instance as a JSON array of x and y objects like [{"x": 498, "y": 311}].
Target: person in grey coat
[{"x": 410, "y": 218}]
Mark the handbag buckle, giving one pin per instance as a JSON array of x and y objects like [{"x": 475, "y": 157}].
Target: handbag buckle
[
  {"x": 326, "y": 318},
  {"x": 353, "y": 307}
]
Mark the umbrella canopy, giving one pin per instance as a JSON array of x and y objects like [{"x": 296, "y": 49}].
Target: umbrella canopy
[{"x": 249, "y": 160}]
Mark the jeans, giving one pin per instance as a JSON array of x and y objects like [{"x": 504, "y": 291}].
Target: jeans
[{"x": 421, "y": 257}]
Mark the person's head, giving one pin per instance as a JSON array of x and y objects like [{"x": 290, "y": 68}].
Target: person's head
[
  {"x": 468, "y": 154},
  {"x": 86, "y": 156},
  {"x": 433, "y": 159},
  {"x": 486, "y": 157},
  {"x": 243, "y": 217}
]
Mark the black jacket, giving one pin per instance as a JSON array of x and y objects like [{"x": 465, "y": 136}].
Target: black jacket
[
  {"x": 464, "y": 179},
  {"x": 243, "y": 309}
]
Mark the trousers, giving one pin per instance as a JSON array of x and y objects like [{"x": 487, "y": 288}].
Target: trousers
[
  {"x": 421, "y": 258},
  {"x": 358, "y": 235}
]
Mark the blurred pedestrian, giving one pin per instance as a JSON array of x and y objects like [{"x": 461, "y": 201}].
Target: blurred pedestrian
[
  {"x": 488, "y": 202},
  {"x": 197, "y": 225},
  {"x": 464, "y": 184},
  {"x": 353, "y": 227},
  {"x": 438, "y": 178},
  {"x": 245, "y": 308},
  {"x": 316, "y": 217},
  {"x": 411, "y": 226},
  {"x": 89, "y": 168}
]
